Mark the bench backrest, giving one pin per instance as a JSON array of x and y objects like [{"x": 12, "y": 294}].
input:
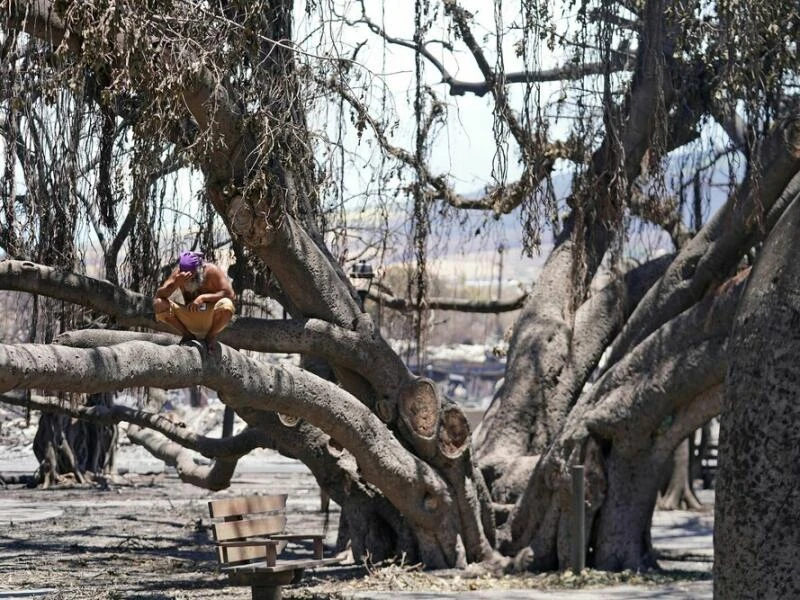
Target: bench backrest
[{"x": 245, "y": 518}]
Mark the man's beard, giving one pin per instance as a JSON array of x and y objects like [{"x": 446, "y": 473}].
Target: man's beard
[{"x": 196, "y": 282}]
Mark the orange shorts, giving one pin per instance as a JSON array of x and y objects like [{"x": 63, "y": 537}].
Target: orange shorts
[{"x": 197, "y": 322}]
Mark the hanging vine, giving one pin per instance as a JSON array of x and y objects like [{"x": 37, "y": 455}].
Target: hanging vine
[
  {"x": 539, "y": 208},
  {"x": 420, "y": 222}
]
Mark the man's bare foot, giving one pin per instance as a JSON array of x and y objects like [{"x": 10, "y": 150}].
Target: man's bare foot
[{"x": 212, "y": 345}]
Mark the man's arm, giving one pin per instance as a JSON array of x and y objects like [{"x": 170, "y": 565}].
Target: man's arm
[
  {"x": 169, "y": 286},
  {"x": 217, "y": 286}
]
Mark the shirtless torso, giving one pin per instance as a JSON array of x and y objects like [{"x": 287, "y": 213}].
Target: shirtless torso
[
  {"x": 206, "y": 285},
  {"x": 205, "y": 288}
]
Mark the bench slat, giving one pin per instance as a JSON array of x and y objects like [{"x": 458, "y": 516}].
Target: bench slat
[
  {"x": 251, "y": 542},
  {"x": 283, "y": 565},
  {"x": 246, "y": 505},
  {"x": 235, "y": 554},
  {"x": 293, "y": 537},
  {"x": 234, "y": 530}
]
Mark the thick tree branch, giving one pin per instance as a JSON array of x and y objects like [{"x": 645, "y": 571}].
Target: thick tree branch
[
  {"x": 216, "y": 476},
  {"x": 361, "y": 351},
  {"x": 702, "y": 409},
  {"x": 287, "y": 390},
  {"x": 667, "y": 371},
  {"x": 311, "y": 337},
  {"x": 599, "y": 319},
  {"x": 458, "y": 304},
  {"x": 130, "y": 308},
  {"x": 711, "y": 255}
]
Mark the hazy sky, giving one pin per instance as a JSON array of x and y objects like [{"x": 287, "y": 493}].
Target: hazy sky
[{"x": 465, "y": 148}]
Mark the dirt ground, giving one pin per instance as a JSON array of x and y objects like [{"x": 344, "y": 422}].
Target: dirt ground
[
  {"x": 147, "y": 536},
  {"x": 149, "y": 539}
]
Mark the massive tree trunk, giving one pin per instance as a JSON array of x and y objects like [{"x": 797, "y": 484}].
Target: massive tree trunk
[
  {"x": 552, "y": 353},
  {"x": 624, "y": 430},
  {"x": 757, "y": 502},
  {"x": 705, "y": 262}
]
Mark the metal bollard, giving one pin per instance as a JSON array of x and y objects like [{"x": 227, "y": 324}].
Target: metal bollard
[{"x": 578, "y": 521}]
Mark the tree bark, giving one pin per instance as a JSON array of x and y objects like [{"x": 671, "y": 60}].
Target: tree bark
[
  {"x": 637, "y": 413},
  {"x": 757, "y": 502}
]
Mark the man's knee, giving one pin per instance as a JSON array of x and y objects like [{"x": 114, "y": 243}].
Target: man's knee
[
  {"x": 224, "y": 305},
  {"x": 160, "y": 308},
  {"x": 223, "y": 310}
]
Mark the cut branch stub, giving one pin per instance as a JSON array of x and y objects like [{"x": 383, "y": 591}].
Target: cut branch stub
[
  {"x": 288, "y": 420},
  {"x": 385, "y": 409},
  {"x": 419, "y": 408},
  {"x": 334, "y": 448},
  {"x": 454, "y": 433}
]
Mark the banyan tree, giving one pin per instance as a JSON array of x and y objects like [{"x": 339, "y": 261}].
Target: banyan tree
[{"x": 299, "y": 161}]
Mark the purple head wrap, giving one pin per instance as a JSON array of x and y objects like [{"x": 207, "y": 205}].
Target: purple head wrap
[{"x": 190, "y": 261}]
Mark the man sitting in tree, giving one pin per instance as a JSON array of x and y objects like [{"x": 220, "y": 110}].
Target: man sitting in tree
[{"x": 196, "y": 300}]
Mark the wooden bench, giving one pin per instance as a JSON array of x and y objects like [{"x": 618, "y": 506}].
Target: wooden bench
[{"x": 249, "y": 539}]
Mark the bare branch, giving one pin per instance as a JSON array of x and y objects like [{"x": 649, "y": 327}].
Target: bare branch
[
  {"x": 498, "y": 199},
  {"x": 465, "y": 306},
  {"x": 496, "y": 84},
  {"x": 233, "y": 447},
  {"x": 459, "y": 87}
]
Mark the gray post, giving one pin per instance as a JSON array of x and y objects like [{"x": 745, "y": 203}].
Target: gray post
[{"x": 578, "y": 521}]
